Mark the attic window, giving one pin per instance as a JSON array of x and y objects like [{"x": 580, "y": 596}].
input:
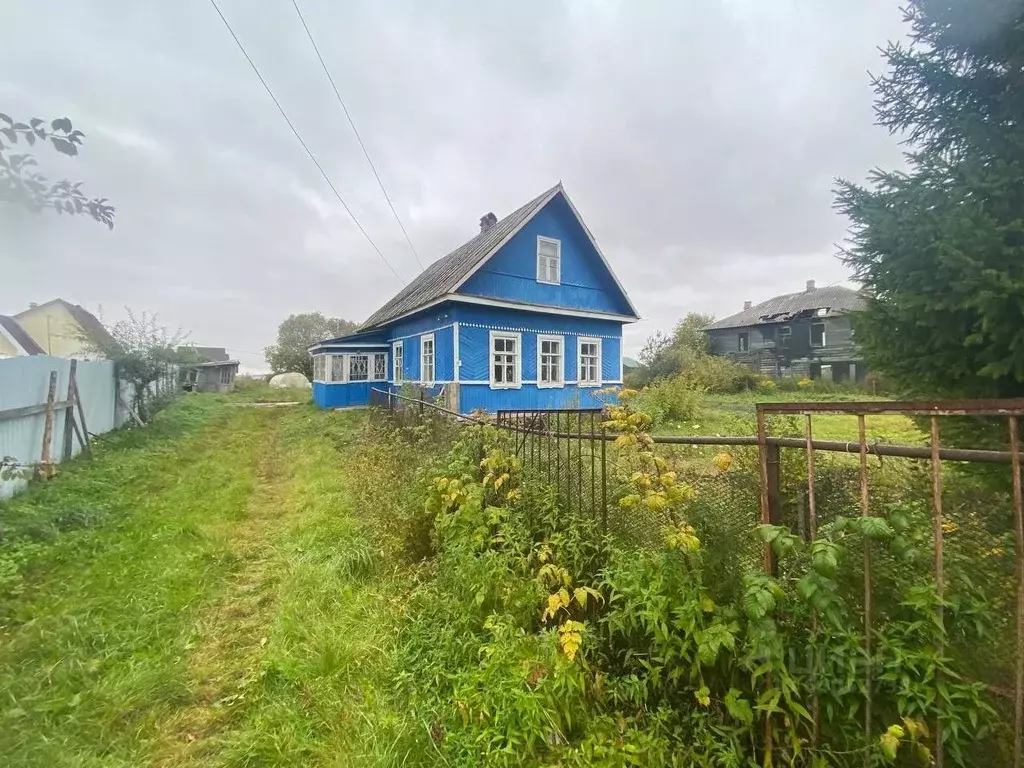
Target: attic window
[{"x": 549, "y": 261}]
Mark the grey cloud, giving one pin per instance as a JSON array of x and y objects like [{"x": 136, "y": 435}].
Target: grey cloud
[{"x": 699, "y": 140}]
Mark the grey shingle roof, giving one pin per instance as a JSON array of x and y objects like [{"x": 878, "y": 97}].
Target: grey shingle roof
[
  {"x": 206, "y": 354},
  {"x": 834, "y": 298},
  {"x": 443, "y": 275},
  {"x": 20, "y": 335}
]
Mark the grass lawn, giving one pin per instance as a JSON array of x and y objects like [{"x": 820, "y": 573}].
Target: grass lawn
[
  {"x": 198, "y": 593},
  {"x": 734, "y": 415}
]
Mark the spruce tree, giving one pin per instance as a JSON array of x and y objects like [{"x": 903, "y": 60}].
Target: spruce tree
[{"x": 939, "y": 246}]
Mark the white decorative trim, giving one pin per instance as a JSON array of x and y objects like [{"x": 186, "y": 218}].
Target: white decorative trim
[
  {"x": 539, "y": 308},
  {"x": 531, "y": 382},
  {"x": 557, "y": 332},
  {"x": 561, "y": 368},
  {"x": 519, "y": 359},
  {"x": 580, "y": 341},
  {"x": 558, "y": 260},
  {"x": 328, "y": 347},
  {"x": 456, "y": 362},
  {"x": 433, "y": 354}
]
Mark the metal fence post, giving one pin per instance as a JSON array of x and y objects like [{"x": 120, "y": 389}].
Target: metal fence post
[
  {"x": 604, "y": 479},
  {"x": 866, "y": 512},
  {"x": 1018, "y": 531}
]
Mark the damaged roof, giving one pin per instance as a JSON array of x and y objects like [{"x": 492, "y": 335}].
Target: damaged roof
[{"x": 834, "y": 299}]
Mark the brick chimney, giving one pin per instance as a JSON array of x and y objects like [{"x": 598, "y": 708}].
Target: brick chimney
[
  {"x": 748, "y": 304},
  {"x": 487, "y": 221},
  {"x": 810, "y": 286}
]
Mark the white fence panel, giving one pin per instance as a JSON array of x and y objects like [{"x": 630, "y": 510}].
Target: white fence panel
[{"x": 25, "y": 381}]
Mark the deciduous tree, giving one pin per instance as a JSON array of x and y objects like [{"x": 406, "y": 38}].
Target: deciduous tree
[{"x": 296, "y": 334}]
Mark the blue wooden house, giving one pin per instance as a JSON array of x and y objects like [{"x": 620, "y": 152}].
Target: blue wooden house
[{"x": 526, "y": 315}]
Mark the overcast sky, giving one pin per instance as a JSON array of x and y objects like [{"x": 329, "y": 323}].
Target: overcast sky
[{"x": 698, "y": 139}]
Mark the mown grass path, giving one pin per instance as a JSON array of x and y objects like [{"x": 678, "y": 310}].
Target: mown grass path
[{"x": 212, "y": 601}]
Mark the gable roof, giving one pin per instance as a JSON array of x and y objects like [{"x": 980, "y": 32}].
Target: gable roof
[
  {"x": 834, "y": 299},
  {"x": 87, "y": 321},
  {"x": 446, "y": 274},
  {"x": 20, "y": 336}
]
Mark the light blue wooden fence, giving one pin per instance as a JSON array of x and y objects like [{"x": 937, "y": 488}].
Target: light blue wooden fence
[{"x": 25, "y": 382}]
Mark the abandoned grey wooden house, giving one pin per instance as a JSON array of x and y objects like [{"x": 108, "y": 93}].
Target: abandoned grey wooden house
[
  {"x": 213, "y": 370},
  {"x": 806, "y": 334}
]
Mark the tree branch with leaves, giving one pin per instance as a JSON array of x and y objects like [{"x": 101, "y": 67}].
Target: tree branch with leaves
[{"x": 21, "y": 184}]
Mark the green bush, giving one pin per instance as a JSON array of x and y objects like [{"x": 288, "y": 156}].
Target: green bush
[
  {"x": 670, "y": 401},
  {"x": 719, "y": 375},
  {"x": 534, "y": 640}
]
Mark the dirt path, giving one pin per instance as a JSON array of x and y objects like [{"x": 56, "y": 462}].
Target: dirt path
[
  {"x": 229, "y": 610},
  {"x": 230, "y": 633}
]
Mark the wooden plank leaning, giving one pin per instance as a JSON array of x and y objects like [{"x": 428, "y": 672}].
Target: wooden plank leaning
[{"x": 44, "y": 460}]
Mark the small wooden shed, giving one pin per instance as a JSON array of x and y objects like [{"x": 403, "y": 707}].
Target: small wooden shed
[{"x": 212, "y": 372}]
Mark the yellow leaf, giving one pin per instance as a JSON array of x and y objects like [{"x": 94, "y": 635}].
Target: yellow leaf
[
  {"x": 723, "y": 461},
  {"x": 580, "y": 593}
]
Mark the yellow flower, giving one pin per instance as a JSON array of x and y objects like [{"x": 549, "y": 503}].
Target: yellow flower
[{"x": 949, "y": 526}]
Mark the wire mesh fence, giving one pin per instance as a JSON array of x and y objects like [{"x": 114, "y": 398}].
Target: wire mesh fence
[{"x": 962, "y": 508}]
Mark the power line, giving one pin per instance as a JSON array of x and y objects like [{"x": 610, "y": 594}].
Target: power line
[
  {"x": 356, "y": 132},
  {"x": 303, "y": 143}
]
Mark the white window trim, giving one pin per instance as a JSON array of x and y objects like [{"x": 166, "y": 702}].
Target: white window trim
[
  {"x": 558, "y": 270},
  {"x": 433, "y": 347},
  {"x": 397, "y": 376},
  {"x": 519, "y": 359},
  {"x": 579, "y": 361},
  {"x": 810, "y": 335},
  {"x": 542, "y": 337}
]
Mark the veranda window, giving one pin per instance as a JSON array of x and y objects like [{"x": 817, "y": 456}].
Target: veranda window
[{"x": 358, "y": 367}]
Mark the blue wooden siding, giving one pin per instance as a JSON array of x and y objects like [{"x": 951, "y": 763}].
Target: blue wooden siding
[
  {"x": 474, "y": 397},
  {"x": 476, "y": 323},
  {"x": 444, "y": 353},
  {"x": 611, "y": 359},
  {"x": 511, "y": 273},
  {"x": 344, "y": 395}
]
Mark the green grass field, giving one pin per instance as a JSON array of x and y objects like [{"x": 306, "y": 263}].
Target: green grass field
[
  {"x": 198, "y": 593},
  {"x": 734, "y": 415}
]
